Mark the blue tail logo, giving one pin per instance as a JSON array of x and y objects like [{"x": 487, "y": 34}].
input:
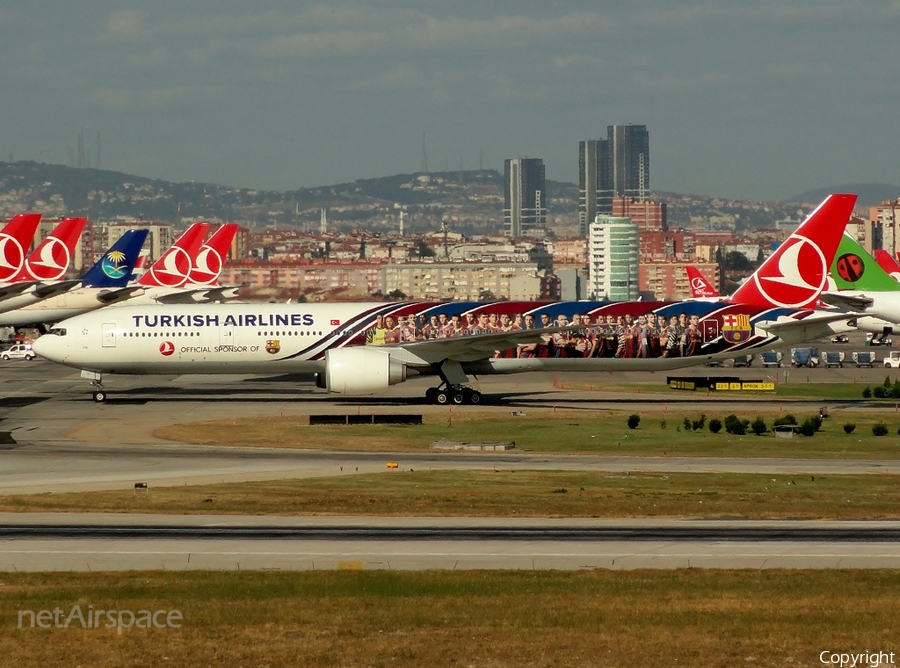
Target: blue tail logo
[
  {"x": 114, "y": 265},
  {"x": 114, "y": 269}
]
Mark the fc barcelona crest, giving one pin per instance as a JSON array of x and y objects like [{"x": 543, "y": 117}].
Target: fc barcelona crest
[
  {"x": 736, "y": 328},
  {"x": 273, "y": 346}
]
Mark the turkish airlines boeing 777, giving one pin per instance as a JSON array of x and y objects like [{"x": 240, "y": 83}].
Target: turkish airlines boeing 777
[{"x": 366, "y": 347}]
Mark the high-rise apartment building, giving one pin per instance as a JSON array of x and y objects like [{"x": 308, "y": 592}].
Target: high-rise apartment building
[
  {"x": 613, "y": 247},
  {"x": 618, "y": 166},
  {"x": 591, "y": 155},
  {"x": 525, "y": 194}
]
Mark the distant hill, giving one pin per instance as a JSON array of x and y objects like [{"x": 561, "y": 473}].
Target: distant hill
[
  {"x": 472, "y": 200},
  {"x": 870, "y": 194}
]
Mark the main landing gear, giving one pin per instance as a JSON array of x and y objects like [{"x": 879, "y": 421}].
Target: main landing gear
[{"x": 453, "y": 394}]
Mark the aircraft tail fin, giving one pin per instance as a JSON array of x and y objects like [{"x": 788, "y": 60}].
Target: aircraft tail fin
[
  {"x": 50, "y": 260},
  {"x": 114, "y": 269},
  {"x": 888, "y": 262},
  {"x": 15, "y": 240},
  {"x": 855, "y": 269},
  {"x": 171, "y": 270},
  {"x": 209, "y": 261},
  {"x": 797, "y": 272},
  {"x": 700, "y": 287}
]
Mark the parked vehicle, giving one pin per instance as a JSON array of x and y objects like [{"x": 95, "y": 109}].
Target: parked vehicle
[
  {"x": 743, "y": 361},
  {"x": 831, "y": 359},
  {"x": 808, "y": 357},
  {"x": 892, "y": 361},
  {"x": 866, "y": 358},
  {"x": 840, "y": 338},
  {"x": 872, "y": 340},
  {"x": 771, "y": 358},
  {"x": 20, "y": 351}
]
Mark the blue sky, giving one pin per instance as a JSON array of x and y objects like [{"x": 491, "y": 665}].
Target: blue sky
[{"x": 756, "y": 100}]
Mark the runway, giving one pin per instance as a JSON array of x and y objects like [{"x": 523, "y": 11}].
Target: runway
[{"x": 110, "y": 542}]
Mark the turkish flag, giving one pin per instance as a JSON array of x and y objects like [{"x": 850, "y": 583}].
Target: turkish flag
[{"x": 335, "y": 322}]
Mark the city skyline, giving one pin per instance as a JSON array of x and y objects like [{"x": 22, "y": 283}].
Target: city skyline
[{"x": 755, "y": 102}]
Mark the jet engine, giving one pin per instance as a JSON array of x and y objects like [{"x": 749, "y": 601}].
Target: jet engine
[{"x": 361, "y": 370}]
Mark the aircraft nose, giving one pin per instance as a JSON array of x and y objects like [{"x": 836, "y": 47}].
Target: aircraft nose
[{"x": 47, "y": 346}]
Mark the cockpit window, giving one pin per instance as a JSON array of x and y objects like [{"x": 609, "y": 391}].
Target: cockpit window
[{"x": 59, "y": 331}]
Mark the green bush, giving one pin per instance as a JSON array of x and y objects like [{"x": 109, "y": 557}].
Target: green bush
[
  {"x": 879, "y": 429},
  {"x": 701, "y": 422},
  {"x": 784, "y": 419},
  {"x": 715, "y": 425},
  {"x": 634, "y": 420},
  {"x": 662, "y": 424},
  {"x": 879, "y": 392},
  {"x": 734, "y": 425},
  {"x": 809, "y": 427},
  {"x": 758, "y": 426},
  {"x": 688, "y": 425},
  {"x": 867, "y": 392},
  {"x": 849, "y": 427}
]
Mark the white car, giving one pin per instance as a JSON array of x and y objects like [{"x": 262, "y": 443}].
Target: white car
[{"x": 20, "y": 351}]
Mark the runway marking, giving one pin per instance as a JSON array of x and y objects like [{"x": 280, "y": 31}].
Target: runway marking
[{"x": 185, "y": 553}]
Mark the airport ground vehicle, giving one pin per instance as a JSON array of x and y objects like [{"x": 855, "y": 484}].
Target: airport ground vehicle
[
  {"x": 807, "y": 356},
  {"x": 892, "y": 361},
  {"x": 831, "y": 359},
  {"x": 865, "y": 358},
  {"x": 771, "y": 358},
  {"x": 840, "y": 338},
  {"x": 20, "y": 351}
]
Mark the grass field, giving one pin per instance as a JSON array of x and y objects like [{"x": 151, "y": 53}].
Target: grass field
[
  {"x": 510, "y": 494},
  {"x": 546, "y": 431},
  {"x": 378, "y": 618}
]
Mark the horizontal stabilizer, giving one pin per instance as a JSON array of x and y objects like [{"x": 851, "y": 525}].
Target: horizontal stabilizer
[{"x": 854, "y": 302}]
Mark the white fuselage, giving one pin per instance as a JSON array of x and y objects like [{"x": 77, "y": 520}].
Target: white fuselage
[
  {"x": 271, "y": 338},
  {"x": 53, "y": 309}
]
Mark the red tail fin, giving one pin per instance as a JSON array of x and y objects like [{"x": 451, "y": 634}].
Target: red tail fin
[
  {"x": 796, "y": 273},
  {"x": 887, "y": 262},
  {"x": 210, "y": 259},
  {"x": 15, "y": 240},
  {"x": 50, "y": 260},
  {"x": 700, "y": 287},
  {"x": 172, "y": 269}
]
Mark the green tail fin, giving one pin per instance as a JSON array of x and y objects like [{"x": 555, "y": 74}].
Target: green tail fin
[{"x": 854, "y": 269}]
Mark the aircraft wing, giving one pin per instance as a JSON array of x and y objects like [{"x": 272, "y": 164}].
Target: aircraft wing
[
  {"x": 107, "y": 297},
  {"x": 13, "y": 289},
  {"x": 197, "y": 295},
  {"x": 47, "y": 290},
  {"x": 471, "y": 348},
  {"x": 785, "y": 325},
  {"x": 855, "y": 302}
]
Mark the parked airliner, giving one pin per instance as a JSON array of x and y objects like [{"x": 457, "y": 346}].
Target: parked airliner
[
  {"x": 364, "y": 348},
  {"x": 110, "y": 272}
]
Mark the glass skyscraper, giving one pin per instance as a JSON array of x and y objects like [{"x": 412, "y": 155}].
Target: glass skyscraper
[
  {"x": 524, "y": 197},
  {"x": 618, "y": 166}
]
